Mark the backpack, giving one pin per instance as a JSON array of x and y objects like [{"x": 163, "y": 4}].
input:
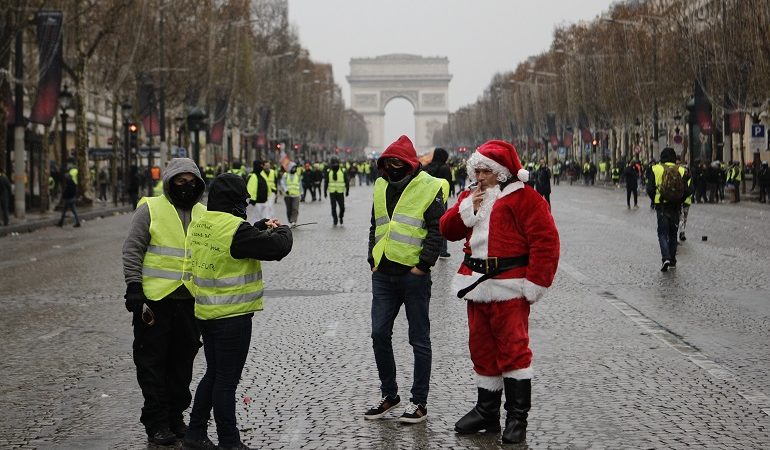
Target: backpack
[{"x": 671, "y": 185}]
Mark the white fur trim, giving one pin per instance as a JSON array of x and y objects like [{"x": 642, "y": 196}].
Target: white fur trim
[
  {"x": 533, "y": 292},
  {"x": 477, "y": 159},
  {"x": 491, "y": 290},
  {"x": 520, "y": 374},
  {"x": 466, "y": 212},
  {"x": 494, "y": 384},
  {"x": 523, "y": 175},
  {"x": 513, "y": 187}
]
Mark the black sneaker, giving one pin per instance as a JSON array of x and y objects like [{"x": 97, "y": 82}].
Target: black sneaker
[
  {"x": 682, "y": 237},
  {"x": 414, "y": 413},
  {"x": 164, "y": 436},
  {"x": 672, "y": 265},
  {"x": 341, "y": 222},
  {"x": 198, "y": 444},
  {"x": 385, "y": 405},
  {"x": 666, "y": 265},
  {"x": 178, "y": 428},
  {"x": 444, "y": 255}
]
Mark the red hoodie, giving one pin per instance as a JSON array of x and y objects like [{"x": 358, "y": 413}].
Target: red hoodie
[{"x": 402, "y": 149}]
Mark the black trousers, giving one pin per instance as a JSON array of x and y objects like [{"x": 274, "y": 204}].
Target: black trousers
[
  {"x": 629, "y": 191},
  {"x": 337, "y": 198},
  {"x": 164, "y": 355},
  {"x": 226, "y": 346}
]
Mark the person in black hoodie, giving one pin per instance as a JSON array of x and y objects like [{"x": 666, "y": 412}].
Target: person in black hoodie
[
  {"x": 69, "y": 198},
  {"x": 632, "y": 185},
  {"x": 439, "y": 168},
  {"x": 402, "y": 249},
  {"x": 223, "y": 307}
]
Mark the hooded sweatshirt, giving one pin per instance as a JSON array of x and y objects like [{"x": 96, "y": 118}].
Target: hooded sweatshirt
[
  {"x": 431, "y": 245},
  {"x": 138, "y": 237},
  {"x": 438, "y": 166},
  {"x": 228, "y": 194}
]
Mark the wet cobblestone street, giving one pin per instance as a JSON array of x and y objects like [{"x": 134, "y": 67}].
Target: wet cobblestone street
[{"x": 625, "y": 356}]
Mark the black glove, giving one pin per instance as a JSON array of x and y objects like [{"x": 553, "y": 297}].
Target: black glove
[{"x": 134, "y": 297}]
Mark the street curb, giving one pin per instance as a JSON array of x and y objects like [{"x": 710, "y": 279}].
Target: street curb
[{"x": 37, "y": 224}]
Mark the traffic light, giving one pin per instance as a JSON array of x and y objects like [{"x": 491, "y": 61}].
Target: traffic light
[
  {"x": 133, "y": 130},
  {"x": 595, "y": 141},
  {"x": 296, "y": 146}
]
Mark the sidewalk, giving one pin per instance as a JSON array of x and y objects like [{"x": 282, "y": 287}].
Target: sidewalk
[{"x": 35, "y": 220}]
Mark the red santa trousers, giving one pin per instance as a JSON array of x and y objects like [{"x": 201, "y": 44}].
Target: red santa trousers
[{"x": 499, "y": 337}]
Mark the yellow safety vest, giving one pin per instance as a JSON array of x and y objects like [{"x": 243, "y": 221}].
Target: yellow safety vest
[
  {"x": 222, "y": 285},
  {"x": 158, "y": 189},
  {"x": 445, "y": 189},
  {"x": 657, "y": 171},
  {"x": 292, "y": 184},
  {"x": 400, "y": 237},
  {"x": 74, "y": 174},
  {"x": 270, "y": 178},
  {"x": 252, "y": 186},
  {"x": 339, "y": 184},
  {"x": 163, "y": 267}
]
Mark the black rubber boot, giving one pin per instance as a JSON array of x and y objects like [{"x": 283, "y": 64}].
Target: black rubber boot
[
  {"x": 518, "y": 395},
  {"x": 484, "y": 416}
]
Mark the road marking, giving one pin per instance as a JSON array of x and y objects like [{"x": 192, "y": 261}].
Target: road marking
[
  {"x": 574, "y": 273},
  {"x": 332, "y": 329},
  {"x": 54, "y": 333},
  {"x": 757, "y": 398}
]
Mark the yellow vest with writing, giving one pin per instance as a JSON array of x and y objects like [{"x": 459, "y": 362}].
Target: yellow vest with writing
[
  {"x": 400, "y": 237},
  {"x": 222, "y": 285},
  {"x": 163, "y": 267}
]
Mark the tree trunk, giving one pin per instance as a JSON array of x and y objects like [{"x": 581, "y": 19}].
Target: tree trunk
[
  {"x": 81, "y": 139},
  {"x": 115, "y": 150}
]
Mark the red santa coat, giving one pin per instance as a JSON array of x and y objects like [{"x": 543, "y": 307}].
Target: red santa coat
[{"x": 519, "y": 223}]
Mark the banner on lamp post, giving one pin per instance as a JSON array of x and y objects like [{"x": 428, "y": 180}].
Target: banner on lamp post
[{"x": 49, "y": 42}]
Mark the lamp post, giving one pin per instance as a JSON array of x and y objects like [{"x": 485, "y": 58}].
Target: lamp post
[
  {"x": 194, "y": 123},
  {"x": 65, "y": 100},
  {"x": 125, "y": 111},
  {"x": 179, "y": 122}
]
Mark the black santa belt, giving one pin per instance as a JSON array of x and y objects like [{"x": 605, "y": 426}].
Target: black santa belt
[{"x": 490, "y": 267}]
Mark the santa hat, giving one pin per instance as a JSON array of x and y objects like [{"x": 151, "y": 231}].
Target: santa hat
[{"x": 501, "y": 158}]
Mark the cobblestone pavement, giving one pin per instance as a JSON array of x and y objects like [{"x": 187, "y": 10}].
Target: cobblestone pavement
[{"x": 625, "y": 356}]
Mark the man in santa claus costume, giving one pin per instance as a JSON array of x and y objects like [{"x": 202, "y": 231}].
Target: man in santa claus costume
[{"x": 511, "y": 254}]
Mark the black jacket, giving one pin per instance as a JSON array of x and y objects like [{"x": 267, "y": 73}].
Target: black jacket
[
  {"x": 228, "y": 194},
  {"x": 431, "y": 245},
  {"x": 631, "y": 177}
]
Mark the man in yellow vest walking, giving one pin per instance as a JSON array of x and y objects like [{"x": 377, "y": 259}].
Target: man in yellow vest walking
[
  {"x": 337, "y": 185},
  {"x": 226, "y": 280},
  {"x": 290, "y": 186},
  {"x": 668, "y": 187},
  {"x": 404, "y": 243},
  {"x": 166, "y": 338}
]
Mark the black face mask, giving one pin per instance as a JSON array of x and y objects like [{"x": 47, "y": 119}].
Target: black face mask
[
  {"x": 397, "y": 174},
  {"x": 335, "y": 167},
  {"x": 184, "y": 195}
]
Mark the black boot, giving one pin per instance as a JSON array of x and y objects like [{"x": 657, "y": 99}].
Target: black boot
[
  {"x": 484, "y": 416},
  {"x": 517, "y": 403}
]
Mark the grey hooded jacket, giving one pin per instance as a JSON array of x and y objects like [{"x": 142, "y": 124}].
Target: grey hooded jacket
[{"x": 138, "y": 238}]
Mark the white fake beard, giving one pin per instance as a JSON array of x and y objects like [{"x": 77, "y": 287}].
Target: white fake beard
[{"x": 490, "y": 197}]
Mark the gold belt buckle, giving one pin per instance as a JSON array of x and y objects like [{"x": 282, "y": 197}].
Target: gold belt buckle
[{"x": 494, "y": 258}]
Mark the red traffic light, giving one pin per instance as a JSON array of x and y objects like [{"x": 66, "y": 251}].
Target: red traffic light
[
  {"x": 132, "y": 127},
  {"x": 594, "y": 142},
  {"x": 296, "y": 146}
]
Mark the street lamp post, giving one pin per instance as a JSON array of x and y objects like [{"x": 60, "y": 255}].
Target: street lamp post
[
  {"x": 194, "y": 123},
  {"x": 65, "y": 100},
  {"x": 125, "y": 110}
]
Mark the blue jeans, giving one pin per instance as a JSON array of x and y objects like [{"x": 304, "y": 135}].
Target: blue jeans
[
  {"x": 668, "y": 225},
  {"x": 71, "y": 204},
  {"x": 389, "y": 292},
  {"x": 225, "y": 344}
]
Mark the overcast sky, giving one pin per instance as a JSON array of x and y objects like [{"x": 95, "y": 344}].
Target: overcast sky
[{"x": 480, "y": 38}]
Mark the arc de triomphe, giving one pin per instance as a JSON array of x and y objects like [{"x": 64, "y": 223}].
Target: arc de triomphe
[{"x": 423, "y": 81}]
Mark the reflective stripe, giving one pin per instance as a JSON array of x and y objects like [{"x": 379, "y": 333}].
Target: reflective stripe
[
  {"x": 228, "y": 282},
  {"x": 405, "y": 239},
  {"x": 408, "y": 220},
  {"x": 381, "y": 221},
  {"x": 166, "y": 251},
  {"x": 378, "y": 238},
  {"x": 158, "y": 273},
  {"x": 228, "y": 299}
]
